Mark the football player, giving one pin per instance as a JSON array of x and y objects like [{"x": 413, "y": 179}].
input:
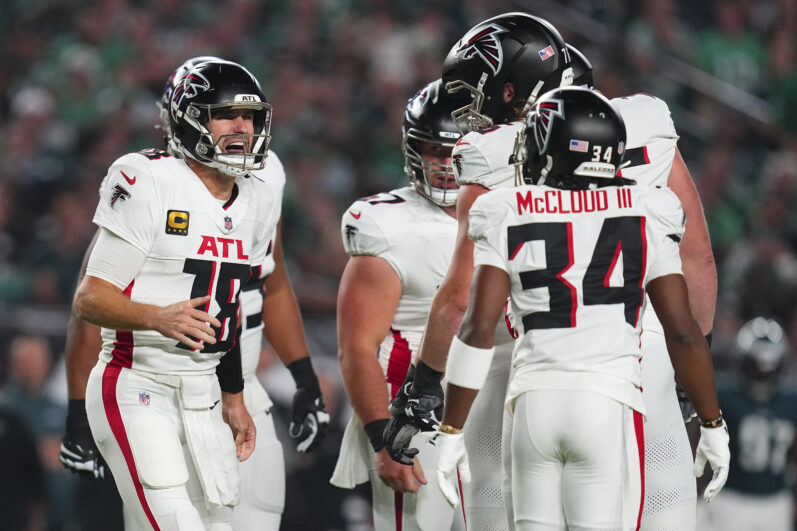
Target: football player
[
  {"x": 576, "y": 250},
  {"x": 400, "y": 244},
  {"x": 761, "y": 409},
  {"x": 483, "y": 162},
  {"x": 260, "y": 505},
  {"x": 503, "y": 63}
]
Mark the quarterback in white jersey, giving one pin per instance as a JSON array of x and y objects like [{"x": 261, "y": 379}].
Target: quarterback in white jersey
[
  {"x": 178, "y": 239},
  {"x": 576, "y": 257},
  {"x": 400, "y": 245},
  {"x": 263, "y": 474}
]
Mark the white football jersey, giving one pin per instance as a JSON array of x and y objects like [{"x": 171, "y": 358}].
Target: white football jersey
[
  {"x": 195, "y": 245},
  {"x": 252, "y": 293},
  {"x": 484, "y": 157},
  {"x": 416, "y": 238},
  {"x": 578, "y": 263}
]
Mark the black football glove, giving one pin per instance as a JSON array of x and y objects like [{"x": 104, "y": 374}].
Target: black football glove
[
  {"x": 418, "y": 406},
  {"x": 78, "y": 452},
  {"x": 310, "y": 419}
]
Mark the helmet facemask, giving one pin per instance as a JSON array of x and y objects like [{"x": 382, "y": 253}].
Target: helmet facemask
[
  {"x": 208, "y": 149},
  {"x": 469, "y": 117},
  {"x": 424, "y": 174}
]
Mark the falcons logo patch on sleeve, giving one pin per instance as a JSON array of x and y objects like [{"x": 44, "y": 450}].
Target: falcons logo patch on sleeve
[
  {"x": 486, "y": 45},
  {"x": 119, "y": 194}
]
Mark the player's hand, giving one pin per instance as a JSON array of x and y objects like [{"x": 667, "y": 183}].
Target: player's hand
[
  {"x": 713, "y": 448},
  {"x": 183, "y": 322},
  {"x": 687, "y": 409},
  {"x": 398, "y": 433},
  {"x": 243, "y": 428},
  {"x": 78, "y": 452},
  {"x": 451, "y": 456},
  {"x": 423, "y": 406},
  {"x": 398, "y": 477},
  {"x": 310, "y": 419}
]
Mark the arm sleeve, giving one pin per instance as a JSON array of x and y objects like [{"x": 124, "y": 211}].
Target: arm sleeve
[
  {"x": 229, "y": 371},
  {"x": 115, "y": 260}
]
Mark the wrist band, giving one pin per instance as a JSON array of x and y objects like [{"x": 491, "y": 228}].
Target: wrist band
[
  {"x": 303, "y": 374},
  {"x": 374, "y": 431},
  {"x": 468, "y": 366},
  {"x": 716, "y": 422},
  {"x": 451, "y": 430}
]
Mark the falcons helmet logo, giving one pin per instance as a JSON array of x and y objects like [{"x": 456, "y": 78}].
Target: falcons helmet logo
[
  {"x": 486, "y": 45},
  {"x": 189, "y": 87},
  {"x": 542, "y": 120}
]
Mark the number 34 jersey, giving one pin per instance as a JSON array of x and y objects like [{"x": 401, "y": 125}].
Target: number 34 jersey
[
  {"x": 195, "y": 245},
  {"x": 578, "y": 263}
]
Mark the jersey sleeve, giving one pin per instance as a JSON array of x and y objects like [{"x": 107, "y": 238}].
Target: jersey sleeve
[
  {"x": 665, "y": 223},
  {"x": 485, "y": 234},
  {"x": 275, "y": 179},
  {"x": 478, "y": 160},
  {"x": 652, "y": 139},
  {"x": 362, "y": 235},
  {"x": 128, "y": 205}
]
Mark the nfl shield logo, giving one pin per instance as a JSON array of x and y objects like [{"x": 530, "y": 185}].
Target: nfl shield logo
[
  {"x": 143, "y": 399},
  {"x": 228, "y": 222}
]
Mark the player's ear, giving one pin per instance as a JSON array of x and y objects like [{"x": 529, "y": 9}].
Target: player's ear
[{"x": 509, "y": 92}]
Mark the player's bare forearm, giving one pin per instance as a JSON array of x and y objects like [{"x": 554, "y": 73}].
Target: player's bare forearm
[
  {"x": 451, "y": 300},
  {"x": 83, "y": 342},
  {"x": 282, "y": 318},
  {"x": 368, "y": 297},
  {"x": 457, "y": 406},
  {"x": 101, "y": 303},
  {"x": 689, "y": 352},
  {"x": 699, "y": 267},
  {"x": 83, "y": 345}
]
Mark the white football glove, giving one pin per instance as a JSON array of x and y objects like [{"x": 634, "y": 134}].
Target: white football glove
[
  {"x": 713, "y": 448},
  {"x": 451, "y": 455}
]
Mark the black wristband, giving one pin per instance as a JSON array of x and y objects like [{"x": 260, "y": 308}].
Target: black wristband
[
  {"x": 303, "y": 374},
  {"x": 426, "y": 377},
  {"x": 708, "y": 339},
  {"x": 76, "y": 417},
  {"x": 229, "y": 370},
  {"x": 374, "y": 430}
]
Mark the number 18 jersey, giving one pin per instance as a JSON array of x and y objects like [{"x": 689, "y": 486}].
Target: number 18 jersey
[
  {"x": 578, "y": 263},
  {"x": 195, "y": 245}
]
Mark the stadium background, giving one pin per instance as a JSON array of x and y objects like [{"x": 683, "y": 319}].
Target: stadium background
[{"x": 78, "y": 85}]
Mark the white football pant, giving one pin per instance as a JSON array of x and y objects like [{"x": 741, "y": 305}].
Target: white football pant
[{"x": 577, "y": 459}]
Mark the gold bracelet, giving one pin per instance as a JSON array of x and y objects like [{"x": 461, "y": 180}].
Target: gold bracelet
[
  {"x": 712, "y": 423},
  {"x": 445, "y": 428}
]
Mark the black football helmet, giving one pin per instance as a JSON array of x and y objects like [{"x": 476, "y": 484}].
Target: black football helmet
[
  {"x": 582, "y": 68},
  {"x": 517, "y": 48},
  {"x": 206, "y": 88},
  {"x": 171, "y": 82},
  {"x": 427, "y": 119},
  {"x": 761, "y": 347},
  {"x": 573, "y": 139}
]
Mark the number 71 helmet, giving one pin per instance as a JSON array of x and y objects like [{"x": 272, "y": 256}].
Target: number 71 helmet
[
  {"x": 515, "y": 48},
  {"x": 215, "y": 86},
  {"x": 573, "y": 139}
]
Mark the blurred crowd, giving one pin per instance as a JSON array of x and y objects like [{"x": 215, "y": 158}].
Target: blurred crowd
[{"x": 78, "y": 86}]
